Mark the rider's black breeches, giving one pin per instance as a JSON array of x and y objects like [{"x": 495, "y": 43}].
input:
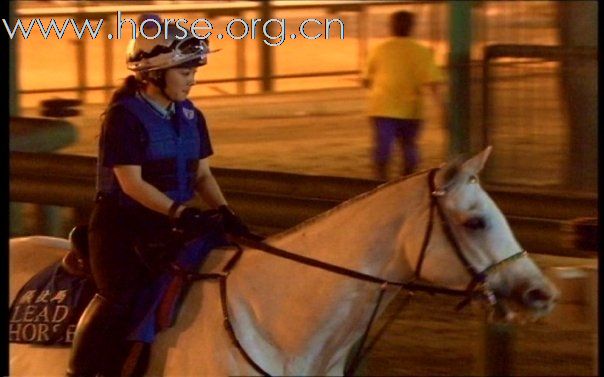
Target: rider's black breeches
[
  {"x": 117, "y": 270},
  {"x": 100, "y": 342},
  {"x": 99, "y": 345}
]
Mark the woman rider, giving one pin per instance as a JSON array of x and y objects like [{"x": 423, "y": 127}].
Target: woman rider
[{"x": 153, "y": 157}]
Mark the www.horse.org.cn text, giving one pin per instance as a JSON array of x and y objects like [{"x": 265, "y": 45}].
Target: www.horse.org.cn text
[{"x": 273, "y": 32}]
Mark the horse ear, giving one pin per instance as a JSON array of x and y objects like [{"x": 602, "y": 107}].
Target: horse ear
[
  {"x": 447, "y": 172},
  {"x": 476, "y": 163}
]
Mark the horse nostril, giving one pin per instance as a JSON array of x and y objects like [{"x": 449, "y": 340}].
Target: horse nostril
[{"x": 537, "y": 297}]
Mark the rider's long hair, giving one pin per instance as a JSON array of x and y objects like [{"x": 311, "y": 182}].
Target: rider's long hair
[{"x": 129, "y": 88}]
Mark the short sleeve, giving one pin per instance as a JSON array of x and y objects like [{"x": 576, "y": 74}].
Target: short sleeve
[
  {"x": 205, "y": 145},
  {"x": 122, "y": 138}
]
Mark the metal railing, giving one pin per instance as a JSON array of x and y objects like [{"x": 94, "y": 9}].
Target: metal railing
[
  {"x": 273, "y": 201},
  {"x": 525, "y": 105}
]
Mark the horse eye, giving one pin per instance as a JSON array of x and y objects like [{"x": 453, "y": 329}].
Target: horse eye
[
  {"x": 475, "y": 223},
  {"x": 473, "y": 179}
]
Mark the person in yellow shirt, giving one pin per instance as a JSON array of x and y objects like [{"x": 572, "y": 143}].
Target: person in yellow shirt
[{"x": 396, "y": 72}]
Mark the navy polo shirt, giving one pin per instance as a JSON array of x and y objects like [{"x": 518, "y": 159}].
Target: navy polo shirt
[{"x": 124, "y": 139}]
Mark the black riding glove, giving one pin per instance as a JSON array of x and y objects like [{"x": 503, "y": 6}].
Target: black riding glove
[
  {"x": 233, "y": 223},
  {"x": 193, "y": 222}
]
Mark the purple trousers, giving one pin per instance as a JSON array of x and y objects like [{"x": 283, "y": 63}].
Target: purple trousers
[{"x": 405, "y": 131}]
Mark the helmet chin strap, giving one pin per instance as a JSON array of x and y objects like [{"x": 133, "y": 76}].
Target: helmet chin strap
[{"x": 158, "y": 78}]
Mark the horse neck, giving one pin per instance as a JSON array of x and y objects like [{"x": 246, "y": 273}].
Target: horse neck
[
  {"x": 305, "y": 317},
  {"x": 311, "y": 316},
  {"x": 360, "y": 234}
]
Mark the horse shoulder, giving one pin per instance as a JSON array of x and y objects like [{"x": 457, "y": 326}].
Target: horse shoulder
[{"x": 197, "y": 343}]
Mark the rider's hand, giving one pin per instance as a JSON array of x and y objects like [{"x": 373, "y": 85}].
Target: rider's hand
[
  {"x": 233, "y": 223},
  {"x": 194, "y": 222}
]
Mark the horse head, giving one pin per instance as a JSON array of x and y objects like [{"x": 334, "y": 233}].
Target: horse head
[{"x": 470, "y": 242}]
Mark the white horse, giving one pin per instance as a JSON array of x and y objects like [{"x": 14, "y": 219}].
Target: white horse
[{"x": 294, "y": 319}]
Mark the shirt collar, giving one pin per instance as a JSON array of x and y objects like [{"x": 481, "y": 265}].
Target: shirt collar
[{"x": 164, "y": 112}]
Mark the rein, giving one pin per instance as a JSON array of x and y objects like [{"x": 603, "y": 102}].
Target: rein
[
  {"x": 412, "y": 286},
  {"x": 477, "y": 286},
  {"x": 222, "y": 280}
]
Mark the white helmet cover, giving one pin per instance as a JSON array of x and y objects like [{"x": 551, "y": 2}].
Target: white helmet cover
[{"x": 178, "y": 49}]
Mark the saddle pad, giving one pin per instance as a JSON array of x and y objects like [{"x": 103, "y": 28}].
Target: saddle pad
[
  {"x": 158, "y": 304},
  {"x": 47, "y": 308}
]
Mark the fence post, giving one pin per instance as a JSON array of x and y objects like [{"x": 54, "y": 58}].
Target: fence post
[
  {"x": 81, "y": 66},
  {"x": 12, "y": 65},
  {"x": 592, "y": 312},
  {"x": 48, "y": 220},
  {"x": 578, "y": 28},
  {"x": 497, "y": 348},
  {"x": 459, "y": 60},
  {"x": 363, "y": 37},
  {"x": 16, "y": 226},
  {"x": 266, "y": 51},
  {"x": 108, "y": 51},
  {"x": 240, "y": 69}
]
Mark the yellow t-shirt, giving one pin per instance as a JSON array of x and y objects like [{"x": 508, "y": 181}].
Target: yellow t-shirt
[{"x": 397, "y": 69}]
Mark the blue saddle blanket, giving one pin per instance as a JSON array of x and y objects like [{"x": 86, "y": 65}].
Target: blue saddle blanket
[
  {"x": 46, "y": 310},
  {"x": 145, "y": 324}
]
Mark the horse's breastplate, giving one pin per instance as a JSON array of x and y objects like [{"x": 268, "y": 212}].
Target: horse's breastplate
[{"x": 171, "y": 155}]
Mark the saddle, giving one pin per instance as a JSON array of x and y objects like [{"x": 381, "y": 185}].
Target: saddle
[{"x": 76, "y": 261}]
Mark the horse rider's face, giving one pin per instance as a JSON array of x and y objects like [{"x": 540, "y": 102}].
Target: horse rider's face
[{"x": 179, "y": 82}]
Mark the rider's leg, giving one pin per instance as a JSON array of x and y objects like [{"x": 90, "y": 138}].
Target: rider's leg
[
  {"x": 100, "y": 341},
  {"x": 97, "y": 337}
]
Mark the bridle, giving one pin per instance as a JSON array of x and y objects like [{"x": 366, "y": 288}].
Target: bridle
[
  {"x": 479, "y": 278},
  {"x": 478, "y": 286}
]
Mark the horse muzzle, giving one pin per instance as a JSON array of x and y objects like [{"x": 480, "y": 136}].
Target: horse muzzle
[
  {"x": 527, "y": 302},
  {"x": 540, "y": 298}
]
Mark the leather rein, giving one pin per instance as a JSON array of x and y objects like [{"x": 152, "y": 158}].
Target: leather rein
[{"x": 477, "y": 287}]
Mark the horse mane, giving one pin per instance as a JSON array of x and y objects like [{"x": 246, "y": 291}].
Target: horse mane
[{"x": 345, "y": 204}]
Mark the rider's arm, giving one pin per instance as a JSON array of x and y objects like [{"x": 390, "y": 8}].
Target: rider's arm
[
  {"x": 133, "y": 184},
  {"x": 207, "y": 187},
  {"x": 123, "y": 150}
]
